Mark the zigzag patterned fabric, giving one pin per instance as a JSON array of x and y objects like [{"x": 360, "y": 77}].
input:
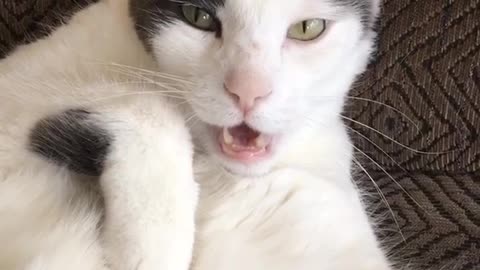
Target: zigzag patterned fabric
[
  {"x": 415, "y": 119},
  {"x": 421, "y": 145},
  {"x": 427, "y": 67}
]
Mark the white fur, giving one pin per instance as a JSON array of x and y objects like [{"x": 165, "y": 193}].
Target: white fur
[
  {"x": 299, "y": 210},
  {"x": 149, "y": 198}
]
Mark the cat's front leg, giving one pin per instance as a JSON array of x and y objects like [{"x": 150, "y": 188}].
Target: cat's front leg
[{"x": 147, "y": 182}]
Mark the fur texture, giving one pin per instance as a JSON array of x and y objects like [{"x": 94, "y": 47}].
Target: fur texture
[{"x": 297, "y": 209}]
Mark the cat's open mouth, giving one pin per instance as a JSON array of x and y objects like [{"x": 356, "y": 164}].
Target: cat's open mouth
[{"x": 244, "y": 144}]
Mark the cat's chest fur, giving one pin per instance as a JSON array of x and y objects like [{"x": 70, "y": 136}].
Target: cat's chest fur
[{"x": 285, "y": 220}]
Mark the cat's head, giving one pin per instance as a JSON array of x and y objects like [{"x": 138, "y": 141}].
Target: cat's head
[{"x": 258, "y": 71}]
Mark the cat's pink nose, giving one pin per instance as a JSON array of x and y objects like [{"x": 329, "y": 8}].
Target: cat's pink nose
[{"x": 247, "y": 88}]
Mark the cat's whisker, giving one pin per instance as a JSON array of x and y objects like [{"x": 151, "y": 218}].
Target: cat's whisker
[
  {"x": 194, "y": 123},
  {"x": 379, "y": 166},
  {"x": 190, "y": 118},
  {"x": 122, "y": 95},
  {"x": 163, "y": 88},
  {"x": 182, "y": 102},
  {"x": 156, "y": 74},
  {"x": 389, "y": 176},
  {"x": 376, "y": 146},
  {"x": 404, "y": 115},
  {"x": 393, "y": 140},
  {"x": 146, "y": 79},
  {"x": 146, "y": 76},
  {"x": 382, "y": 195}
]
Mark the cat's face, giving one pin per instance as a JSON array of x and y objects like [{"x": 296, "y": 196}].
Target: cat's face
[{"x": 258, "y": 71}]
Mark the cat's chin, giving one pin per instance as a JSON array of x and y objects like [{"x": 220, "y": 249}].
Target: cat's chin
[{"x": 257, "y": 169}]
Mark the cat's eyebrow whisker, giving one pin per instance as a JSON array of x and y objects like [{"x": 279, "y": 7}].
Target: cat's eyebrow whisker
[
  {"x": 152, "y": 12},
  {"x": 393, "y": 140},
  {"x": 179, "y": 1}
]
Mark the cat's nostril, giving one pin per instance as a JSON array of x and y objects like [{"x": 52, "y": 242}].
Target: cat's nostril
[
  {"x": 264, "y": 95},
  {"x": 234, "y": 96}
]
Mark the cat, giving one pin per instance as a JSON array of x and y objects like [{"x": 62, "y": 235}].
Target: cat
[{"x": 186, "y": 134}]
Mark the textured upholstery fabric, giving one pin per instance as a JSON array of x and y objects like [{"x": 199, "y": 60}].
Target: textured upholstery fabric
[
  {"x": 428, "y": 68},
  {"x": 22, "y": 21},
  {"x": 422, "y": 93},
  {"x": 437, "y": 218}
]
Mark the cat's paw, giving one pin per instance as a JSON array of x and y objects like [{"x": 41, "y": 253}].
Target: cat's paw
[
  {"x": 148, "y": 187},
  {"x": 166, "y": 249}
]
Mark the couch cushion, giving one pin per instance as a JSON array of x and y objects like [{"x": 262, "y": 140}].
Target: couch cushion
[
  {"x": 22, "y": 21},
  {"x": 437, "y": 218},
  {"x": 428, "y": 68}
]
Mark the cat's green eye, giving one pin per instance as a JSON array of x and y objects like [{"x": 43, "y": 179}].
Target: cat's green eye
[
  {"x": 199, "y": 18},
  {"x": 307, "y": 30}
]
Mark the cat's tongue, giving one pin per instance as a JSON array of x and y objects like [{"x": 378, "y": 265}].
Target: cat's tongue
[{"x": 243, "y": 143}]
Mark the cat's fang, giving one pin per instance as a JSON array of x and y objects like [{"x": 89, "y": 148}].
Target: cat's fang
[
  {"x": 261, "y": 141},
  {"x": 227, "y": 137}
]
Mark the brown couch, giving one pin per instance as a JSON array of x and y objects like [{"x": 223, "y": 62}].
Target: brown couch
[{"x": 416, "y": 119}]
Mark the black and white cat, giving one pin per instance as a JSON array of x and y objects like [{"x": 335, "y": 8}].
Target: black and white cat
[{"x": 124, "y": 93}]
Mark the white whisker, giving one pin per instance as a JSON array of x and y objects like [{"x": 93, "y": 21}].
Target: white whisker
[
  {"x": 393, "y": 140},
  {"x": 382, "y": 196}
]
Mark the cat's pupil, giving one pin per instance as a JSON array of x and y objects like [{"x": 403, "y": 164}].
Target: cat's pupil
[
  {"x": 197, "y": 14},
  {"x": 304, "y": 26}
]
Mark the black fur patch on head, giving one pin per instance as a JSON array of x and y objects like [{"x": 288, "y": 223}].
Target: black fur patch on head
[
  {"x": 72, "y": 139},
  {"x": 366, "y": 9},
  {"x": 148, "y": 15}
]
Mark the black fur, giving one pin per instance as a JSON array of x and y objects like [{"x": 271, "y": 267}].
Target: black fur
[
  {"x": 364, "y": 8},
  {"x": 72, "y": 139},
  {"x": 148, "y": 15}
]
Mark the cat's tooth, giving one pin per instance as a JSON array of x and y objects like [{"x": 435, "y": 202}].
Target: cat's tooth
[
  {"x": 227, "y": 137},
  {"x": 260, "y": 141}
]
